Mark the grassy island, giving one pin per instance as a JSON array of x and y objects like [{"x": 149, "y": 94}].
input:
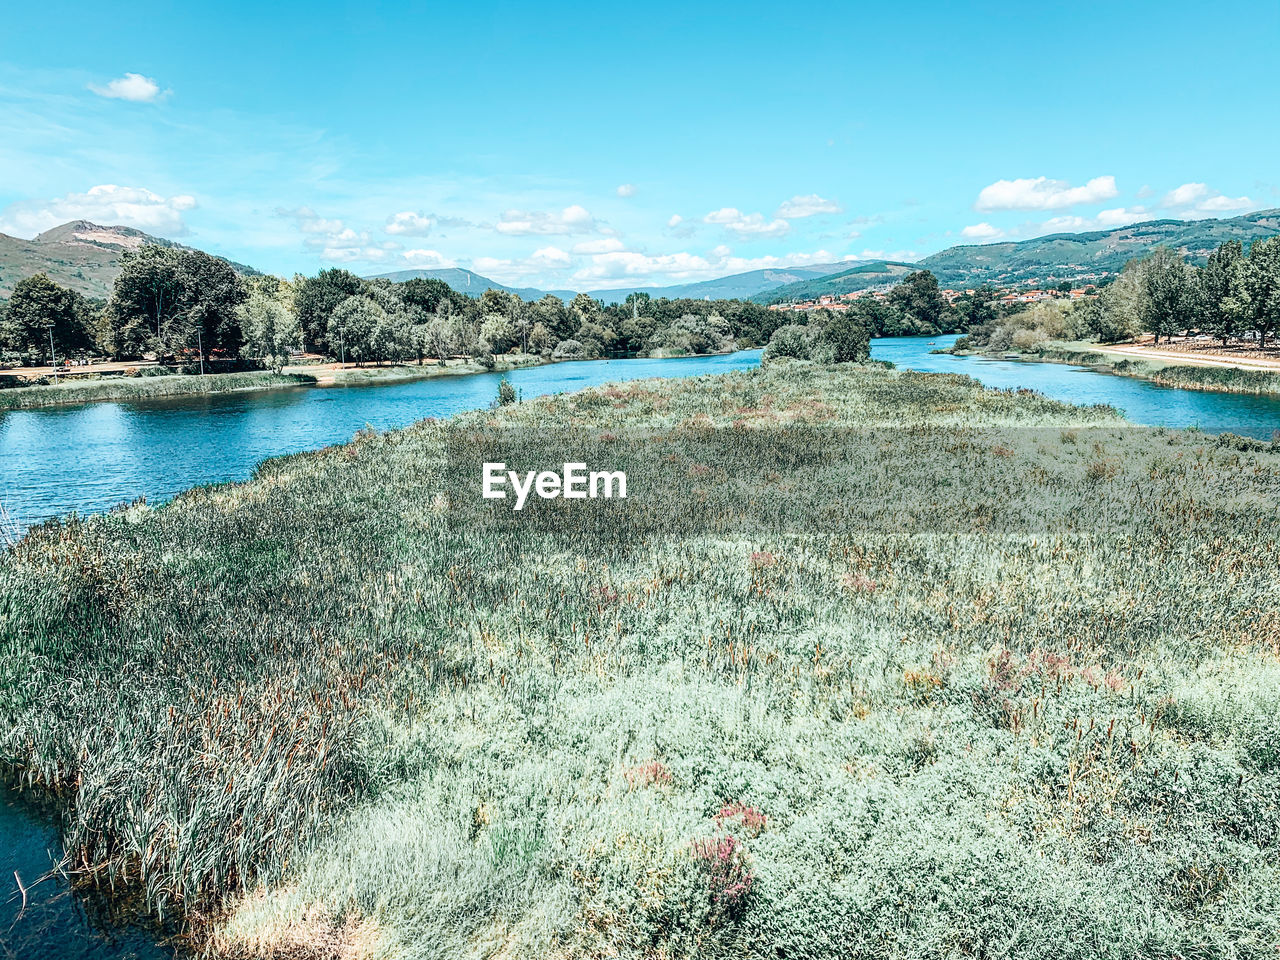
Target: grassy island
[{"x": 869, "y": 663}]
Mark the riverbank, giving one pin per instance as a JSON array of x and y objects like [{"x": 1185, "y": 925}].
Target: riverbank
[
  {"x": 301, "y": 375},
  {"x": 843, "y": 675},
  {"x": 331, "y": 374},
  {"x": 149, "y": 387},
  {"x": 294, "y": 375},
  {"x": 1217, "y": 374}
]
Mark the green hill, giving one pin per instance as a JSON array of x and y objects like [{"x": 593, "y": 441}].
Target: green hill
[
  {"x": 1083, "y": 257},
  {"x": 81, "y": 255},
  {"x": 469, "y": 282},
  {"x": 735, "y": 286},
  {"x": 871, "y": 273}
]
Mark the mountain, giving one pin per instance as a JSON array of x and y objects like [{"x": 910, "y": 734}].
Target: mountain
[
  {"x": 1080, "y": 257},
  {"x": 81, "y": 255},
  {"x": 470, "y": 283},
  {"x": 860, "y": 276},
  {"x": 736, "y": 286}
]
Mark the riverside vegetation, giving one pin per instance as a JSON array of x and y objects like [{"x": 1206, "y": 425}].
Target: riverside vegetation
[{"x": 869, "y": 663}]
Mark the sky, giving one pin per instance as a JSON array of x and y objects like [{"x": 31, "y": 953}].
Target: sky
[{"x": 591, "y": 146}]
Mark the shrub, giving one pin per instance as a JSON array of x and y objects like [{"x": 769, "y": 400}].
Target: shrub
[
  {"x": 794, "y": 340},
  {"x": 727, "y": 872},
  {"x": 506, "y": 393}
]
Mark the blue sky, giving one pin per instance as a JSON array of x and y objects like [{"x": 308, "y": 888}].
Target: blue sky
[{"x": 596, "y": 145}]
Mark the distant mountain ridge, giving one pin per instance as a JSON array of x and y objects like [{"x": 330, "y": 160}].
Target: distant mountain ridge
[
  {"x": 469, "y": 282},
  {"x": 735, "y": 286},
  {"x": 81, "y": 255},
  {"x": 86, "y": 257},
  {"x": 1078, "y": 257}
]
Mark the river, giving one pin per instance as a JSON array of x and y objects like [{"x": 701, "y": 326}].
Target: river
[
  {"x": 52, "y": 922},
  {"x": 90, "y": 457}
]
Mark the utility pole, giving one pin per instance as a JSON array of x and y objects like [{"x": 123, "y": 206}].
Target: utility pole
[
  {"x": 200, "y": 347},
  {"x": 53, "y": 357}
]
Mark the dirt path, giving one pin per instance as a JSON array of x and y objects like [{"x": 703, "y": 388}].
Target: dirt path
[{"x": 1198, "y": 359}]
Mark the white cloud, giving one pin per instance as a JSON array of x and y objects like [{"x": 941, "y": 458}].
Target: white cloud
[
  {"x": 907, "y": 256},
  {"x": 1185, "y": 195},
  {"x": 603, "y": 245},
  {"x": 621, "y": 265},
  {"x": 1120, "y": 216},
  {"x": 409, "y": 224},
  {"x": 551, "y": 256},
  {"x": 981, "y": 231},
  {"x": 1199, "y": 198},
  {"x": 747, "y": 224},
  {"x": 808, "y": 205},
  {"x": 1225, "y": 204},
  {"x": 334, "y": 241},
  {"x": 430, "y": 259},
  {"x": 1104, "y": 220},
  {"x": 132, "y": 86},
  {"x": 684, "y": 266},
  {"x": 570, "y": 220},
  {"x": 543, "y": 260},
  {"x": 1041, "y": 193},
  {"x": 627, "y": 190},
  {"x": 106, "y": 204},
  {"x": 677, "y": 226}
]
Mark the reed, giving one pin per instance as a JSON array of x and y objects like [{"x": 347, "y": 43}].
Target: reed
[
  {"x": 869, "y": 663},
  {"x": 142, "y": 388}
]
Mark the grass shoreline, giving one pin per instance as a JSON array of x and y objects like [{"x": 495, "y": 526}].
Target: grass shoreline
[
  {"x": 874, "y": 663},
  {"x": 178, "y": 385},
  {"x": 1186, "y": 376}
]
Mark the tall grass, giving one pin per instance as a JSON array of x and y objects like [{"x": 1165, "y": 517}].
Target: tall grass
[
  {"x": 1188, "y": 376},
  {"x": 870, "y": 663},
  {"x": 139, "y": 388}
]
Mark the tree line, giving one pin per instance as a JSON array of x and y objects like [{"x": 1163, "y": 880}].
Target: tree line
[
  {"x": 1234, "y": 295},
  {"x": 184, "y": 305}
]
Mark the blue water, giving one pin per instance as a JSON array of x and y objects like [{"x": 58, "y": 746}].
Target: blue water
[
  {"x": 54, "y": 923},
  {"x": 91, "y": 457},
  {"x": 1141, "y": 401}
]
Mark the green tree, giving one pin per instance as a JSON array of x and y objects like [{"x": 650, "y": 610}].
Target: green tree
[
  {"x": 919, "y": 298},
  {"x": 213, "y": 292},
  {"x": 551, "y": 312},
  {"x": 37, "y": 307},
  {"x": 977, "y": 308},
  {"x": 1255, "y": 290},
  {"x": 540, "y": 338},
  {"x": 270, "y": 329},
  {"x": 1119, "y": 314},
  {"x": 168, "y": 299},
  {"x": 1168, "y": 303},
  {"x": 352, "y": 327},
  {"x": 498, "y": 331},
  {"x": 317, "y": 297},
  {"x": 500, "y": 302},
  {"x": 848, "y": 337},
  {"x": 428, "y": 293},
  {"x": 437, "y": 339},
  {"x": 1213, "y": 291},
  {"x": 586, "y": 309}
]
